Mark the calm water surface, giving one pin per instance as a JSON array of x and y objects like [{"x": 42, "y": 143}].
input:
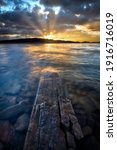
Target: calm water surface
[
  {"x": 20, "y": 63},
  {"x": 20, "y": 69}
]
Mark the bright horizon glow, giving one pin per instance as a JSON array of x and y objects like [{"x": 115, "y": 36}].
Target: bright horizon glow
[
  {"x": 78, "y": 34},
  {"x": 49, "y": 36}
]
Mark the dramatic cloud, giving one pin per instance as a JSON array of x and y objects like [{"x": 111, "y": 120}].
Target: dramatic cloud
[
  {"x": 37, "y": 18},
  {"x": 2, "y": 3},
  {"x": 76, "y": 6}
]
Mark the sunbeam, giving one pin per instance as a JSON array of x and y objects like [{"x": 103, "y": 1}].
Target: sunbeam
[{"x": 61, "y": 20}]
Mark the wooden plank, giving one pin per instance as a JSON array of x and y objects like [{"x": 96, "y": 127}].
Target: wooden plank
[
  {"x": 51, "y": 136},
  {"x": 68, "y": 118},
  {"x": 31, "y": 142},
  {"x": 53, "y": 124}
]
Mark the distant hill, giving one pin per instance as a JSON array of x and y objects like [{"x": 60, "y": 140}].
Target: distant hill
[{"x": 36, "y": 40}]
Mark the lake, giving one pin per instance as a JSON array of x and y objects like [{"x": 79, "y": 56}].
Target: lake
[{"x": 78, "y": 64}]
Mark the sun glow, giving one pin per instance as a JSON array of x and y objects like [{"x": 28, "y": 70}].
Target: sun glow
[{"x": 49, "y": 36}]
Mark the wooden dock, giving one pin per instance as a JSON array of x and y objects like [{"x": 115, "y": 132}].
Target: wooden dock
[{"x": 53, "y": 124}]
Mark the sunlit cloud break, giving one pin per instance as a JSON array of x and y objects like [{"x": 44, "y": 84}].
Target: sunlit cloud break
[{"x": 73, "y": 20}]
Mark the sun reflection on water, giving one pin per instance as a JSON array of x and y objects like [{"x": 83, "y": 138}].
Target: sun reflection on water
[
  {"x": 70, "y": 60},
  {"x": 48, "y": 57},
  {"x": 48, "y": 51}
]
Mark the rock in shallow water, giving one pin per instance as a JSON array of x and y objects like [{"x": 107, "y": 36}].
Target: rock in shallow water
[
  {"x": 15, "y": 110},
  {"x": 7, "y": 131},
  {"x": 14, "y": 89},
  {"x": 22, "y": 122},
  {"x": 6, "y": 101},
  {"x": 12, "y": 100},
  {"x": 3, "y": 104}
]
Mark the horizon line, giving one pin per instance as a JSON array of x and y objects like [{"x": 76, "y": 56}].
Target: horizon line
[{"x": 44, "y": 40}]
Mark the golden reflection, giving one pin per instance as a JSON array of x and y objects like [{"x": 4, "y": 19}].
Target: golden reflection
[
  {"x": 45, "y": 55},
  {"x": 53, "y": 57},
  {"x": 51, "y": 52},
  {"x": 36, "y": 70},
  {"x": 49, "y": 69}
]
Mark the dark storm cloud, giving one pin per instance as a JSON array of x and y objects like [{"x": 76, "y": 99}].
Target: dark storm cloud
[
  {"x": 88, "y": 9},
  {"x": 75, "y": 6},
  {"x": 69, "y": 18},
  {"x": 15, "y": 22},
  {"x": 50, "y": 2},
  {"x": 66, "y": 3},
  {"x": 25, "y": 19},
  {"x": 2, "y": 3}
]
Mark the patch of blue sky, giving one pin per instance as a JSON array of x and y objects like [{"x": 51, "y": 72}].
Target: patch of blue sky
[
  {"x": 8, "y": 7},
  {"x": 26, "y": 3}
]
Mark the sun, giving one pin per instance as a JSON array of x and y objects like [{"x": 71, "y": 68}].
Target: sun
[{"x": 49, "y": 36}]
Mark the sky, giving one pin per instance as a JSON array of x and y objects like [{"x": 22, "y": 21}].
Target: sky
[{"x": 74, "y": 20}]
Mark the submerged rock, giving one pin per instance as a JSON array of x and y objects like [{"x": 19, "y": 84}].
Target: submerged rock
[
  {"x": 22, "y": 122},
  {"x": 7, "y": 132},
  {"x": 14, "y": 89},
  {"x": 12, "y": 100},
  {"x": 14, "y": 110},
  {"x": 3, "y": 104}
]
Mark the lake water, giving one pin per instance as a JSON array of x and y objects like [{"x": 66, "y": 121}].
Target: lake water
[
  {"x": 78, "y": 64},
  {"x": 19, "y": 63}
]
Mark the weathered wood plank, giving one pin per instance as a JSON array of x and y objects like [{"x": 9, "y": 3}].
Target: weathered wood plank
[
  {"x": 53, "y": 124},
  {"x": 68, "y": 118},
  {"x": 51, "y": 136},
  {"x": 31, "y": 142}
]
